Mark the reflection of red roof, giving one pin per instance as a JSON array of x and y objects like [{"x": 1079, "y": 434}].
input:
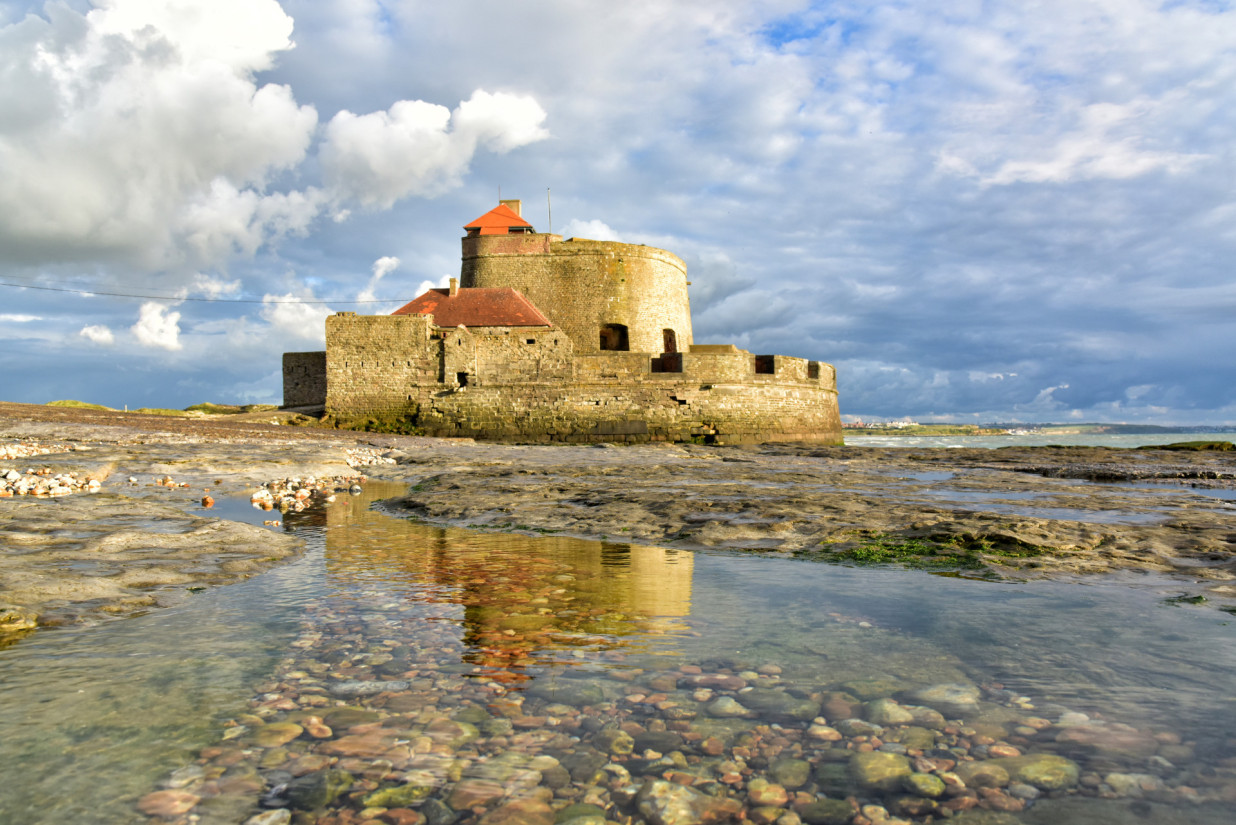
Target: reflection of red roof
[
  {"x": 476, "y": 307},
  {"x": 498, "y": 221}
]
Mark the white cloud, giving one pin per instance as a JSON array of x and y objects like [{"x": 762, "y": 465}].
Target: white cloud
[
  {"x": 211, "y": 287},
  {"x": 425, "y": 286},
  {"x": 18, "y": 318},
  {"x": 157, "y": 327},
  {"x": 381, "y": 267},
  {"x": 118, "y": 127},
  {"x": 293, "y": 319},
  {"x": 593, "y": 230},
  {"x": 97, "y": 333},
  {"x": 138, "y": 131},
  {"x": 419, "y": 148}
]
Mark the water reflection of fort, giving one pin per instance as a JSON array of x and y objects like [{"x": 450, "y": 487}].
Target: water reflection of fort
[{"x": 523, "y": 598}]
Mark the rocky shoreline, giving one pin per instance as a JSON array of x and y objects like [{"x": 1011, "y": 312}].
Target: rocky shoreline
[{"x": 104, "y": 509}]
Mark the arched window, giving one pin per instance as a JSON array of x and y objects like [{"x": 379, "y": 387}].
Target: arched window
[{"x": 614, "y": 337}]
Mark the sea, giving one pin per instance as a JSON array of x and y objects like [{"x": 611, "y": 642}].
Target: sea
[{"x": 1032, "y": 440}]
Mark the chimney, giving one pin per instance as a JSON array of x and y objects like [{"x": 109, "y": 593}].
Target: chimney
[
  {"x": 454, "y": 286},
  {"x": 514, "y": 206}
]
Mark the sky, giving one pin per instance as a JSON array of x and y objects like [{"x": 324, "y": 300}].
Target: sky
[{"x": 977, "y": 210}]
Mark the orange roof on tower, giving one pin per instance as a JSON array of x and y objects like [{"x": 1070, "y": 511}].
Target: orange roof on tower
[
  {"x": 501, "y": 220},
  {"x": 476, "y": 307}
]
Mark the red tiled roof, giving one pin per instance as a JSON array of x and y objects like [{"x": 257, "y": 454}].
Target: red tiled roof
[
  {"x": 498, "y": 221},
  {"x": 476, "y": 307}
]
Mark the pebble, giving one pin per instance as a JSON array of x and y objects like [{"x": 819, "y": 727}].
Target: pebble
[
  {"x": 29, "y": 449},
  {"x": 43, "y": 483}
]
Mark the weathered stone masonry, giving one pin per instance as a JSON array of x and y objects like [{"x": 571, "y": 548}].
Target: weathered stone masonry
[{"x": 557, "y": 383}]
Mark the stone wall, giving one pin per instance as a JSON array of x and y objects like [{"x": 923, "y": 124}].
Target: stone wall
[
  {"x": 582, "y": 285},
  {"x": 528, "y": 384},
  {"x": 304, "y": 379},
  {"x": 654, "y": 410},
  {"x": 376, "y": 363}
]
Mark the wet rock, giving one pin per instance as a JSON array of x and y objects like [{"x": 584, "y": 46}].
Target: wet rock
[
  {"x": 363, "y": 745},
  {"x": 667, "y": 803},
  {"x": 868, "y": 689},
  {"x": 982, "y": 774},
  {"x": 276, "y": 734},
  {"x": 726, "y": 707},
  {"x": 824, "y": 733},
  {"x": 660, "y": 741},
  {"x": 914, "y": 805},
  {"x": 614, "y": 741},
  {"x": 279, "y": 816},
  {"x": 764, "y": 793},
  {"x": 317, "y": 790},
  {"x": 927, "y": 717},
  {"x": 367, "y": 688},
  {"x": 170, "y": 803},
  {"x": 923, "y": 784},
  {"x": 469, "y": 793},
  {"x": 184, "y": 776},
  {"x": 14, "y": 618},
  {"x": 833, "y": 778},
  {"x": 451, "y": 733},
  {"x": 977, "y": 817},
  {"x": 578, "y": 810},
  {"x": 583, "y": 764},
  {"x": 877, "y": 771},
  {"x": 437, "y": 813},
  {"x": 858, "y": 727},
  {"x": 840, "y": 705},
  {"x": 826, "y": 812},
  {"x": 791, "y": 773},
  {"x": 1045, "y": 771},
  {"x": 778, "y": 704},
  {"x": 400, "y": 796},
  {"x": 954, "y": 700},
  {"x": 574, "y": 692},
  {"x": 345, "y": 717},
  {"x": 887, "y": 712},
  {"x": 916, "y": 738},
  {"x": 1117, "y": 741},
  {"x": 520, "y": 812}
]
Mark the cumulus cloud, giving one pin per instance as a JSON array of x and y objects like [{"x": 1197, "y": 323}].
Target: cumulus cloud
[
  {"x": 157, "y": 327},
  {"x": 425, "y": 286},
  {"x": 593, "y": 230},
  {"x": 121, "y": 123},
  {"x": 98, "y": 334},
  {"x": 139, "y": 130},
  {"x": 381, "y": 268},
  {"x": 295, "y": 319},
  {"x": 419, "y": 148}
]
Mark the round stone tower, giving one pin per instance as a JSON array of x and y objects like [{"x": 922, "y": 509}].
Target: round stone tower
[{"x": 603, "y": 295}]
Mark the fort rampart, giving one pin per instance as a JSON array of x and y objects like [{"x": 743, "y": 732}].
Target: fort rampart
[{"x": 528, "y": 384}]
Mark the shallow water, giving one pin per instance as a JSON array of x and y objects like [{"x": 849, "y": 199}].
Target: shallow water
[{"x": 93, "y": 718}]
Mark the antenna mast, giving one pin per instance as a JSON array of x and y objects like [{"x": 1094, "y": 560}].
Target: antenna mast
[{"x": 549, "y": 205}]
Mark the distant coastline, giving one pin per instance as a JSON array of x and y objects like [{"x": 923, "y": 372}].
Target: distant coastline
[{"x": 860, "y": 430}]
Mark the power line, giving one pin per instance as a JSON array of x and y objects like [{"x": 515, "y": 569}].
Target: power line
[{"x": 203, "y": 300}]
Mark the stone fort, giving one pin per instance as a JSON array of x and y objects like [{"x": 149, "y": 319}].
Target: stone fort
[{"x": 545, "y": 339}]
